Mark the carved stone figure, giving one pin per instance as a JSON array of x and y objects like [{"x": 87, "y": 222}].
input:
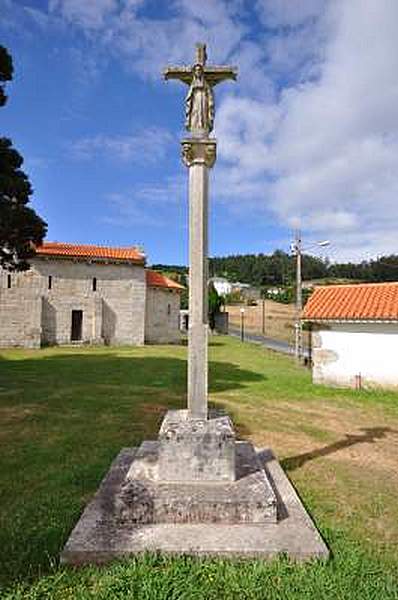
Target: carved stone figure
[
  {"x": 201, "y": 78},
  {"x": 199, "y": 104}
]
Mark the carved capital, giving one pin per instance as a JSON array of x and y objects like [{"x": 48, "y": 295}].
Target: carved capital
[{"x": 199, "y": 151}]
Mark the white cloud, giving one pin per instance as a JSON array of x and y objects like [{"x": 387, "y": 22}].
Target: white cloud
[
  {"x": 39, "y": 17},
  {"x": 173, "y": 190},
  {"x": 297, "y": 54},
  {"x": 147, "y": 44},
  {"x": 146, "y": 146},
  {"x": 327, "y": 151},
  {"x": 143, "y": 205},
  {"x": 125, "y": 212},
  {"x": 289, "y": 13},
  {"x": 87, "y": 13},
  {"x": 253, "y": 71}
]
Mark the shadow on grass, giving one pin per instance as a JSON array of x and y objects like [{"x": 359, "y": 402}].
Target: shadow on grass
[
  {"x": 105, "y": 384},
  {"x": 131, "y": 370},
  {"x": 369, "y": 435}
]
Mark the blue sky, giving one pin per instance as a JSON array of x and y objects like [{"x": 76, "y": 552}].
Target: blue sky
[{"x": 308, "y": 136}]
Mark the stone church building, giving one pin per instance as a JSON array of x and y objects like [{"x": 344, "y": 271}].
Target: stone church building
[{"x": 87, "y": 294}]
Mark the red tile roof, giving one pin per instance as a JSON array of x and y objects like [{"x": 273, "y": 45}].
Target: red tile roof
[
  {"x": 356, "y": 302},
  {"x": 155, "y": 279},
  {"x": 131, "y": 254}
]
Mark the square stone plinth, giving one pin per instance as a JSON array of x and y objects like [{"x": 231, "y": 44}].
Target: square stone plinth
[
  {"x": 100, "y": 535},
  {"x": 146, "y": 498},
  {"x": 196, "y": 450}
]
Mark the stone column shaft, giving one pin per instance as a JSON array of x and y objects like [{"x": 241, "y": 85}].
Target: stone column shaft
[
  {"x": 198, "y": 248},
  {"x": 199, "y": 156}
]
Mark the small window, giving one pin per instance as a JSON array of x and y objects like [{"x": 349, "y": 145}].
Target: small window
[
  {"x": 169, "y": 309},
  {"x": 94, "y": 284},
  {"x": 50, "y": 282},
  {"x": 8, "y": 281}
]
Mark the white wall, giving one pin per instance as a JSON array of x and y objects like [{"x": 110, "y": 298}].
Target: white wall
[
  {"x": 222, "y": 287},
  {"x": 343, "y": 351}
]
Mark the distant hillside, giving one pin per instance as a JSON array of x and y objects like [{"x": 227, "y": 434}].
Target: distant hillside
[
  {"x": 170, "y": 268},
  {"x": 279, "y": 268},
  {"x": 266, "y": 270}
]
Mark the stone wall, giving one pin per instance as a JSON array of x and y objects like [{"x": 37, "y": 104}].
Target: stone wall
[
  {"x": 20, "y": 317},
  {"x": 355, "y": 354},
  {"x": 114, "y": 313},
  {"x": 57, "y": 318},
  {"x": 162, "y": 316}
]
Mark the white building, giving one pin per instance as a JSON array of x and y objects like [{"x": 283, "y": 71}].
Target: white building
[
  {"x": 354, "y": 334},
  {"x": 222, "y": 285}
]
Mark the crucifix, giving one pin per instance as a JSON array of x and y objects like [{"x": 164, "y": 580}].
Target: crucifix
[
  {"x": 201, "y": 78},
  {"x": 199, "y": 155}
]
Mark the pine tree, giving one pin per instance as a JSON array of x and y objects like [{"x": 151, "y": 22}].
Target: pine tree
[
  {"x": 6, "y": 72},
  {"x": 21, "y": 229}
]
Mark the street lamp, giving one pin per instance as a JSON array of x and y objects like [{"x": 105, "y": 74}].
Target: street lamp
[{"x": 242, "y": 324}]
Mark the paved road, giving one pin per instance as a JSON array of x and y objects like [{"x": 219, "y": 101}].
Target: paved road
[{"x": 268, "y": 342}]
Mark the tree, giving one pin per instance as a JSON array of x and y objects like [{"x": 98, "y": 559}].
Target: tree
[
  {"x": 21, "y": 229},
  {"x": 215, "y": 303},
  {"x": 6, "y": 72}
]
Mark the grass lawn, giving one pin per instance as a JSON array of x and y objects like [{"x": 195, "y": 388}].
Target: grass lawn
[{"x": 66, "y": 412}]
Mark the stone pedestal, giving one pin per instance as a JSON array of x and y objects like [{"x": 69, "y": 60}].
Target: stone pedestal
[
  {"x": 196, "y": 450},
  {"x": 147, "y": 497},
  {"x": 196, "y": 473}
]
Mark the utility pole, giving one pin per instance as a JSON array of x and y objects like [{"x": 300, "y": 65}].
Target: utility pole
[{"x": 297, "y": 249}]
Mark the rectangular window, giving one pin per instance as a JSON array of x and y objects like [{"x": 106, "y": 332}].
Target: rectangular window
[
  {"x": 94, "y": 284},
  {"x": 169, "y": 309},
  {"x": 50, "y": 282},
  {"x": 8, "y": 281}
]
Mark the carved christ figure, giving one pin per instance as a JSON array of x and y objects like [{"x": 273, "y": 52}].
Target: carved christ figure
[
  {"x": 199, "y": 103},
  {"x": 201, "y": 78}
]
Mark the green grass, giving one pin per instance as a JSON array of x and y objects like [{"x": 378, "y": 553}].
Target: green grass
[{"x": 66, "y": 412}]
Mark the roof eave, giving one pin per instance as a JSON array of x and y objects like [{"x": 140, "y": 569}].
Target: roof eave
[
  {"x": 101, "y": 259},
  {"x": 334, "y": 320},
  {"x": 166, "y": 287}
]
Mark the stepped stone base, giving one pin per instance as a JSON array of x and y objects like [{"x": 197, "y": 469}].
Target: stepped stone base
[
  {"x": 145, "y": 498},
  {"x": 104, "y": 532}
]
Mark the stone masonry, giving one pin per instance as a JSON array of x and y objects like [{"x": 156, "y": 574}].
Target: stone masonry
[
  {"x": 162, "y": 316},
  {"x": 116, "y": 305},
  {"x": 20, "y": 317}
]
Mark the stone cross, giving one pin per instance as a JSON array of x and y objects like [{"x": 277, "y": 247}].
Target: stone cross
[
  {"x": 201, "y": 78},
  {"x": 199, "y": 155}
]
